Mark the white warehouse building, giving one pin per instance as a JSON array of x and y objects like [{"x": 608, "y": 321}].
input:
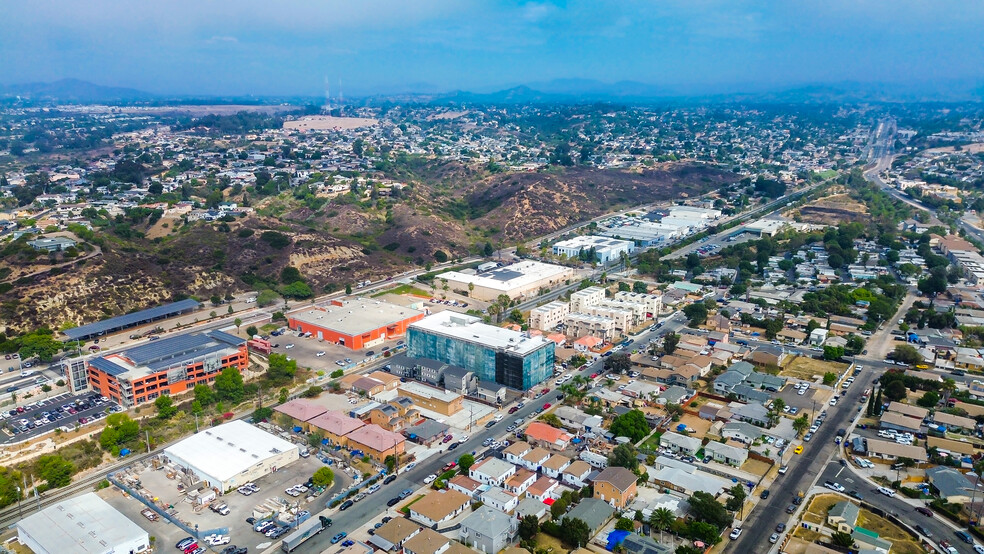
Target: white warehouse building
[
  {"x": 231, "y": 455},
  {"x": 83, "y": 523},
  {"x": 606, "y": 249}
]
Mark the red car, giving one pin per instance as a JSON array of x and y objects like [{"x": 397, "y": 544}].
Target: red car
[
  {"x": 513, "y": 409},
  {"x": 546, "y": 390},
  {"x": 447, "y": 438},
  {"x": 925, "y": 511},
  {"x": 449, "y": 466},
  {"x": 944, "y": 544},
  {"x": 546, "y": 406},
  {"x": 593, "y": 375}
]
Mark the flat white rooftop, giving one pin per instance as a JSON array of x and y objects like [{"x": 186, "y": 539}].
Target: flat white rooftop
[
  {"x": 83, "y": 523},
  {"x": 356, "y": 316},
  {"x": 471, "y": 329},
  {"x": 229, "y": 449},
  {"x": 510, "y": 277},
  {"x": 599, "y": 243}
]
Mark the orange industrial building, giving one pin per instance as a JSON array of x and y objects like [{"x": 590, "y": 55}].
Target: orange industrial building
[
  {"x": 167, "y": 366},
  {"x": 357, "y": 323}
]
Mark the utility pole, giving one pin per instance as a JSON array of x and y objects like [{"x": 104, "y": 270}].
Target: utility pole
[{"x": 147, "y": 434}]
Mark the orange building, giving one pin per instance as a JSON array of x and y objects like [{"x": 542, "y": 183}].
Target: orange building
[
  {"x": 615, "y": 485},
  {"x": 167, "y": 366},
  {"x": 358, "y": 323}
]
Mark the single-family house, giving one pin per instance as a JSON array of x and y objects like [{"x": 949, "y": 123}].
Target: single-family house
[
  {"x": 726, "y": 453},
  {"x": 488, "y": 530},
  {"x": 952, "y": 486},
  {"x": 544, "y": 488},
  {"x": 678, "y": 443},
  {"x": 547, "y": 435},
  {"x": 439, "y": 506},
  {"x": 741, "y": 431},
  {"x": 576, "y": 474},
  {"x": 554, "y": 466},
  {"x": 518, "y": 483},
  {"x": 843, "y": 516},
  {"x": 492, "y": 471},
  {"x": 500, "y": 499},
  {"x": 615, "y": 485}
]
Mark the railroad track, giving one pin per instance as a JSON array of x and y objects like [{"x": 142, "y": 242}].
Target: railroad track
[{"x": 11, "y": 514}]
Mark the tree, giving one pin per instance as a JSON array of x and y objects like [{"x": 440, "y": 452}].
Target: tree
[
  {"x": 934, "y": 284},
  {"x": 870, "y": 410},
  {"x": 619, "y": 362},
  {"x": 237, "y": 322},
  {"x": 165, "y": 407},
  {"x": 196, "y": 408},
  {"x": 56, "y": 470},
  {"x": 833, "y": 353},
  {"x": 670, "y": 342},
  {"x": 574, "y": 532},
  {"x": 348, "y": 288},
  {"x": 529, "y": 526},
  {"x": 488, "y": 250},
  {"x": 624, "y": 524},
  {"x": 281, "y": 369},
  {"x": 252, "y": 330},
  {"x": 703, "y": 507},
  {"x": 465, "y": 462},
  {"x": 841, "y": 539},
  {"x": 119, "y": 430},
  {"x": 929, "y": 400},
  {"x": 229, "y": 385},
  {"x": 801, "y": 424},
  {"x": 204, "y": 395},
  {"x": 559, "y": 508},
  {"x": 829, "y": 378},
  {"x": 878, "y": 403},
  {"x": 737, "y": 499},
  {"x": 697, "y": 313},
  {"x": 895, "y": 391},
  {"x": 40, "y": 343},
  {"x": 624, "y": 455},
  {"x": 324, "y": 477},
  {"x": 10, "y": 480},
  {"x": 687, "y": 549},
  {"x": 640, "y": 287},
  {"x": 631, "y": 424},
  {"x": 908, "y": 354},
  {"x": 661, "y": 518}
]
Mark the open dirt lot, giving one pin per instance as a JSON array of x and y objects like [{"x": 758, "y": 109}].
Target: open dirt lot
[
  {"x": 809, "y": 369},
  {"x": 323, "y": 122},
  {"x": 755, "y": 466}
]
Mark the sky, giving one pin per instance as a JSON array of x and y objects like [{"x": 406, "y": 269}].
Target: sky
[{"x": 292, "y": 47}]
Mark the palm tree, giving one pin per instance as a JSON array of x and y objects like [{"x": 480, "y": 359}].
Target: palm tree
[
  {"x": 949, "y": 386},
  {"x": 661, "y": 518}
]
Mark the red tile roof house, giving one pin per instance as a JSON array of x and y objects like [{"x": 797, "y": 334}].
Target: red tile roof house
[
  {"x": 301, "y": 411},
  {"x": 547, "y": 435}
]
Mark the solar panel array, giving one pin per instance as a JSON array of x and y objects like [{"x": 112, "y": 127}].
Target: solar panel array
[{"x": 129, "y": 320}]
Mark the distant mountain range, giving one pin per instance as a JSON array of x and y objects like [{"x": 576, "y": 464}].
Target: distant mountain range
[
  {"x": 74, "y": 90},
  {"x": 553, "y": 91}
]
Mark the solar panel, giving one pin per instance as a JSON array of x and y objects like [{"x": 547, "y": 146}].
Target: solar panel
[
  {"x": 128, "y": 320},
  {"x": 227, "y": 338},
  {"x": 107, "y": 366},
  {"x": 186, "y": 357},
  {"x": 166, "y": 348}
]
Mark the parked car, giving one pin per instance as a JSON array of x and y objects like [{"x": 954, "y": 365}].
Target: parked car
[
  {"x": 735, "y": 533},
  {"x": 337, "y": 538}
]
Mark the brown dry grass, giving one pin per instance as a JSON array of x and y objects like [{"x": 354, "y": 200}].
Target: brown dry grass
[
  {"x": 806, "y": 368},
  {"x": 902, "y": 542},
  {"x": 755, "y": 466}
]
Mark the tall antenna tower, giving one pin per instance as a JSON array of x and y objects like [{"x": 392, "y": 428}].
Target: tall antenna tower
[
  {"x": 340, "y": 99},
  {"x": 327, "y": 107}
]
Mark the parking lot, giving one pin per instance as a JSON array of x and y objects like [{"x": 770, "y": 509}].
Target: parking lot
[
  {"x": 64, "y": 410},
  {"x": 271, "y": 492},
  {"x": 324, "y": 355},
  {"x": 813, "y": 401}
]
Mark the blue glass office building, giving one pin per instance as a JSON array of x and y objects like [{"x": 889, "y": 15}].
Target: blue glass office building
[{"x": 507, "y": 357}]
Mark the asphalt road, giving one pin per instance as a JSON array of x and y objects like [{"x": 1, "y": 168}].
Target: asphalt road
[
  {"x": 803, "y": 471},
  {"x": 846, "y": 476}
]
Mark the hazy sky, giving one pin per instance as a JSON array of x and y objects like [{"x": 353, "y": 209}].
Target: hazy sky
[{"x": 291, "y": 46}]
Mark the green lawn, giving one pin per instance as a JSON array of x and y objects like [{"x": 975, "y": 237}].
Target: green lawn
[
  {"x": 652, "y": 443},
  {"x": 403, "y": 289}
]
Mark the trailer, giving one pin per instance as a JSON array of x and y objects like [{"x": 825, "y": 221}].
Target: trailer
[{"x": 305, "y": 531}]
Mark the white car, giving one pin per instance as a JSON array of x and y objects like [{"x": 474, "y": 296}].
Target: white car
[
  {"x": 289, "y": 346},
  {"x": 886, "y": 491},
  {"x": 429, "y": 479},
  {"x": 735, "y": 533},
  {"x": 320, "y": 354},
  {"x": 410, "y": 466},
  {"x": 217, "y": 540},
  {"x": 463, "y": 438},
  {"x": 833, "y": 401}
]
